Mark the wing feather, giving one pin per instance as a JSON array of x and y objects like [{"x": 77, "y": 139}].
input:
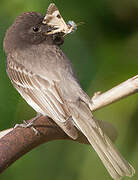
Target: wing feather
[{"x": 42, "y": 95}]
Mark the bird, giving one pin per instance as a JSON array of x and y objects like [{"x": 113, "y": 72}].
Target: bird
[{"x": 44, "y": 76}]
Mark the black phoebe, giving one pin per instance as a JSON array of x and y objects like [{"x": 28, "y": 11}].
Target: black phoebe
[{"x": 44, "y": 77}]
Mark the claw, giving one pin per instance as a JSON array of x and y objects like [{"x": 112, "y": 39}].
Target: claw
[{"x": 29, "y": 125}]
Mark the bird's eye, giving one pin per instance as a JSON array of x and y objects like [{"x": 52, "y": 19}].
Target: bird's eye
[{"x": 35, "y": 29}]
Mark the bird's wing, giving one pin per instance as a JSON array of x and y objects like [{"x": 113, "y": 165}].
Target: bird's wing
[{"x": 42, "y": 95}]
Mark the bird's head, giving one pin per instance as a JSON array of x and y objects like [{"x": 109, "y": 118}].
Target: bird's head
[
  {"x": 29, "y": 29},
  {"x": 34, "y": 28}
]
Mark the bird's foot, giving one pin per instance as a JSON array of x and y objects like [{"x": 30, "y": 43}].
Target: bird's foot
[{"x": 30, "y": 124}]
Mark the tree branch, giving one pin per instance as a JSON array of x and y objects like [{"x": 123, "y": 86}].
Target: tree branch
[
  {"x": 121, "y": 91},
  {"x": 14, "y": 143}
]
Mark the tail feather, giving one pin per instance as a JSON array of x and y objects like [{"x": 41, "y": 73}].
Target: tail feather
[{"x": 115, "y": 164}]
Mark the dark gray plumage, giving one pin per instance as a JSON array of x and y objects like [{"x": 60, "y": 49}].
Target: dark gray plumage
[{"x": 44, "y": 76}]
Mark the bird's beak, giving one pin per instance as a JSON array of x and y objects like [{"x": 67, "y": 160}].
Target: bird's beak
[{"x": 51, "y": 30}]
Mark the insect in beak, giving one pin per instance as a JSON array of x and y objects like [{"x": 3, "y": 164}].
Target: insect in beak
[
  {"x": 56, "y": 23},
  {"x": 73, "y": 26}
]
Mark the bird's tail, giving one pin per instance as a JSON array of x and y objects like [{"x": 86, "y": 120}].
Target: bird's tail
[{"x": 115, "y": 164}]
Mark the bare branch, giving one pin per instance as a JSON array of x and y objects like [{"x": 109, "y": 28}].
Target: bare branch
[
  {"x": 4, "y": 132},
  {"x": 124, "y": 89},
  {"x": 19, "y": 141}
]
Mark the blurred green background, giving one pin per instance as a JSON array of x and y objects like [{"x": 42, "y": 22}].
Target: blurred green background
[{"x": 104, "y": 52}]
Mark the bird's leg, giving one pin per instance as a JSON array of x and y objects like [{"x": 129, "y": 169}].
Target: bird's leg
[{"x": 26, "y": 124}]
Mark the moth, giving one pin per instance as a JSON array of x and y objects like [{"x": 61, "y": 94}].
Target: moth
[{"x": 56, "y": 23}]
